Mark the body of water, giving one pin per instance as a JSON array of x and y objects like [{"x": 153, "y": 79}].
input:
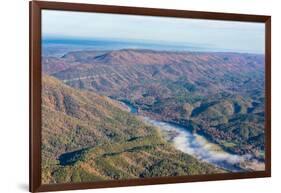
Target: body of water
[
  {"x": 199, "y": 147},
  {"x": 58, "y": 47}
]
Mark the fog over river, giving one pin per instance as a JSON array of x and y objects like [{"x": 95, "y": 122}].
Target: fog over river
[{"x": 199, "y": 147}]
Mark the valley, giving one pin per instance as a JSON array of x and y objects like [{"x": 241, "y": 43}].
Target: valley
[
  {"x": 209, "y": 102},
  {"x": 201, "y": 148}
]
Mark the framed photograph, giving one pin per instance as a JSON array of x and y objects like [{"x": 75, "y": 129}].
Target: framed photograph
[{"x": 125, "y": 96}]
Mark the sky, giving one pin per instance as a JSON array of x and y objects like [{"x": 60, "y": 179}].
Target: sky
[{"x": 227, "y": 35}]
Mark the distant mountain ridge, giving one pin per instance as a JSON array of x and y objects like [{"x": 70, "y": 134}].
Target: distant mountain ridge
[
  {"x": 116, "y": 68},
  {"x": 145, "y": 56}
]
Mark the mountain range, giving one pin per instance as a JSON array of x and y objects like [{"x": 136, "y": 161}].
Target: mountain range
[
  {"x": 220, "y": 95},
  {"x": 88, "y": 135}
]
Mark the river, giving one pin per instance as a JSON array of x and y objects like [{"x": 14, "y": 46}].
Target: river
[{"x": 199, "y": 147}]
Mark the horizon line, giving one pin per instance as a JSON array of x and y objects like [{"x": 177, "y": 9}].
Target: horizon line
[{"x": 145, "y": 43}]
